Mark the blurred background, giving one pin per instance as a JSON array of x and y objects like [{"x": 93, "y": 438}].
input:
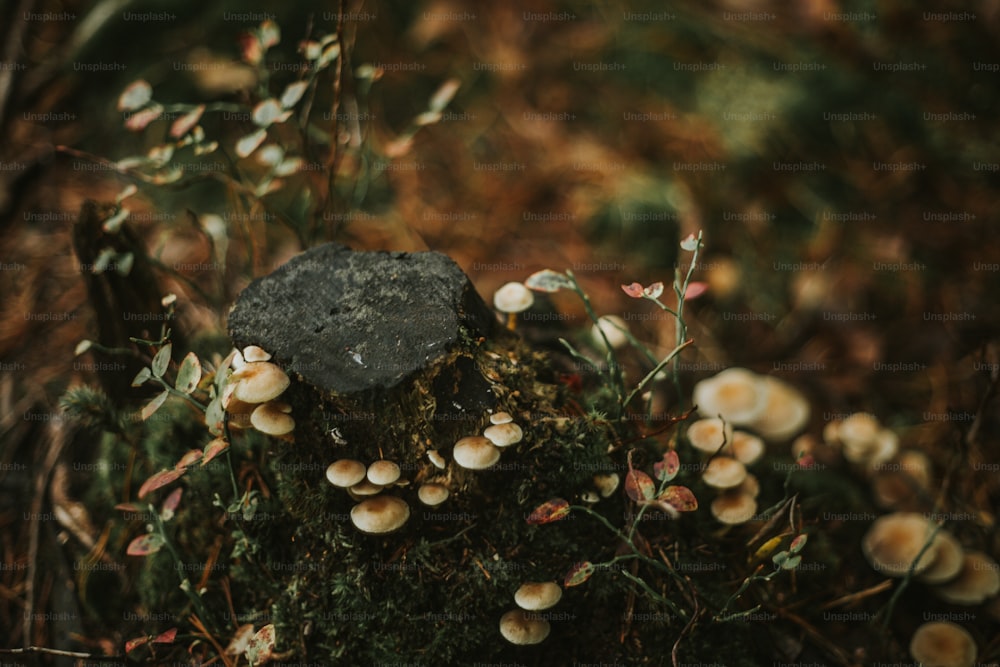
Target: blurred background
[{"x": 840, "y": 158}]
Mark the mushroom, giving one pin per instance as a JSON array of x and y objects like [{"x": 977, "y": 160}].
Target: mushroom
[
  {"x": 978, "y": 580},
  {"x": 364, "y": 488},
  {"x": 786, "y": 411},
  {"x": 733, "y": 507},
  {"x": 948, "y": 560},
  {"x": 745, "y": 447},
  {"x": 259, "y": 382},
  {"x": 255, "y": 353},
  {"x": 432, "y": 494},
  {"x": 272, "y": 418},
  {"x": 708, "y": 435},
  {"x": 501, "y": 418},
  {"x": 504, "y": 435},
  {"x": 513, "y": 298},
  {"x": 737, "y": 395},
  {"x": 943, "y": 644},
  {"x": 523, "y": 628},
  {"x": 614, "y": 329},
  {"x": 436, "y": 459},
  {"x": 383, "y": 473},
  {"x": 345, "y": 472},
  {"x": 894, "y": 541},
  {"x": 379, "y": 515},
  {"x": 606, "y": 483},
  {"x": 536, "y": 596},
  {"x": 724, "y": 472},
  {"x": 475, "y": 453}
]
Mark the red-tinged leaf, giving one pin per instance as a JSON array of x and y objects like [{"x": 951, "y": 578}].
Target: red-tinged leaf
[
  {"x": 806, "y": 461},
  {"x": 547, "y": 280},
  {"x": 680, "y": 498},
  {"x": 550, "y": 511},
  {"x": 270, "y": 34},
  {"x": 213, "y": 449},
  {"x": 160, "y": 479},
  {"x": 170, "y": 504},
  {"x": 183, "y": 125},
  {"x": 666, "y": 469},
  {"x": 261, "y": 645},
  {"x": 798, "y": 543},
  {"x": 129, "y": 507},
  {"x": 634, "y": 290},
  {"x": 694, "y": 290},
  {"x": 144, "y": 545},
  {"x": 136, "y": 95},
  {"x": 578, "y": 574},
  {"x": 653, "y": 291},
  {"x": 639, "y": 486},
  {"x": 251, "y": 49},
  {"x": 166, "y": 637},
  {"x": 154, "y": 405},
  {"x": 133, "y": 644},
  {"x": 139, "y": 120},
  {"x": 190, "y": 457}
]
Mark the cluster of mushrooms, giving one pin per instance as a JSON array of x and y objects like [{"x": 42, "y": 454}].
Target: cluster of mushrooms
[
  {"x": 252, "y": 393},
  {"x": 892, "y": 546},
  {"x": 763, "y": 408},
  {"x": 525, "y": 625},
  {"x": 378, "y": 514}
]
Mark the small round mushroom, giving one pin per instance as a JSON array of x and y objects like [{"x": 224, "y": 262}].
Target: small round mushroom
[
  {"x": 501, "y": 418},
  {"x": 272, "y": 418},
  {"x": 745, "y": 448},
  {"x": 523, "y": 628},
  {"x": 536, "y": 596},
  {"x": 379, "y": 515},
  {"x": 436, "y": 459},
  {"x": 255, "y": 353},
  {"x": 504, "y": 435},
  {"x": 475, "y": 452},
  {"x": 614, "y": 329},
  {"x": 749, "y": 486},
  {"x": 383, "y": 472},
  {"x": 364, "y": 489},
  {"x": 708, "y": 435},
  {"x": 859, "y": 436},
  {"x": 786, "y": 411},
  {"x": 943, "y": 644},
  {"x": 948, "y": 561},
  {"x": 894, "y": 541},
  {"x": 733, "y": 507},
  {"x": 737, "y": 395},
  {"x": 345, "y": 473},
  {"x": 978, "y": 580},
  {"x": 259, "y": 382},
  {"x": 724, "y": 472},
  {"x": 607, "y": 483},
  {"x": 513, "y": 298},
  {"x": 432, "y": 494}
]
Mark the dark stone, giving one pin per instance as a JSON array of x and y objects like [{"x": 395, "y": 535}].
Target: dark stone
[{"x": 350, "y": 322}]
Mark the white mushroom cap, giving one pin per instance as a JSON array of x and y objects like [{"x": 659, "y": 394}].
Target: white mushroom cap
[
  {"x": 613, "y": 327},
  {"x": 504, "y": 435},
  {"x": 345, "y": 472},
  {"x": 708, "y": 434},
  {"x": 383, "y": 472},
  {"x": 893, "y": 542},
  {"x": 786, "y": 411},
  {"x": 432, "y": 494},
  {"x": 259, "y": 382},
  {"x": 501, "y": 418},
  {"x": 536, "y": 596},
  {"x": 724, "y": 472},
  {"x": 607, "y": 483},
  {"x": 365, "y": 488},
  {"x": 381, "y": 514},
  {"x": 513, "y": 298},
  {"x": 436, "y": 459},
  {"x": 749, "y": 486},
  {"x": 978, "y": 580},
  {"x": 733, "y": 507},
  {"x": 273, "y": 418},
  {"x": 745, "y": 447},
  {"x": 859, "y": 436},
  {"x": 523, "y": 628},
  {"x": 475, "y": 453},
  {"x": 255, "y": 353},
  {"x": 737, "y": 395},
  {"x": 943, "y": 644},
  {"x": 948, "y": 561}
]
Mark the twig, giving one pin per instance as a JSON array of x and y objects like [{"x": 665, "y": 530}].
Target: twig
[
  {"x": 54, "y": 651},
  {"x": 859, "y": 595}
]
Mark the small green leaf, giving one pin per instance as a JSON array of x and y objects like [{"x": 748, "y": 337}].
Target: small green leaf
[
  {"x": 268, "y": 112},
  {"x": 791, "y": 563},
  {"x": 444, "y": 95},
  {"x": 579, "y": 573},
  {"x": 779, "y": 558},
  {"x": 154, "y": 405},
  {"x": 141, "y": 377},
  {"x": 248, "y": 144},
  {"x": 215, "y": 416},
  {"x": 189, "y": 374},
  {"x": 293, "y": 93},
  {"x": 798, "y": 543},
  {"x": 137, "y": 94},
  {"x": 161, "y": 360},
  {"x": 547, "y": 512},
  {"x": 103, "y": 260},
  {"x": 146, "y": 544}
]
